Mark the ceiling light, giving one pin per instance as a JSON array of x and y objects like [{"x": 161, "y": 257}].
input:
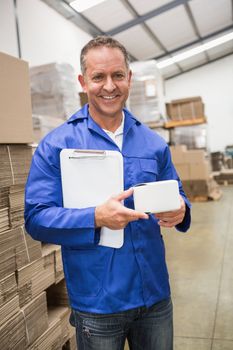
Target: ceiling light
[
  {"x": 195, "y": 51},
  {"x": 82, "y": 5}
]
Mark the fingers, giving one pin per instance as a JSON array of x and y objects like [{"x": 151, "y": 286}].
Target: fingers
[
  {"x": 170, "y": 221},
  {"x": 169, "y": 224},
  {"x": 170, "y": 215},
  {"x": 122, "y": 219},
  {"x": 166, "y": 216},
  {"x": 114, "y": 215},
  {"x": 123, "y": 195},
  {"x": 172, "y": 218},
  {"x": 135, "y": 215},
  {"x": 130, "y": 213}
]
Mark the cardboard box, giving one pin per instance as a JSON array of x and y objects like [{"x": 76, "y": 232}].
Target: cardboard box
[
  {"x": 183, "y": 171},
  {"x": 15, "y": 101},
  {"x": 177, "y": 153},
  {"x": 199, "y": 171},
  {"x": 193, "y": 171},
  {"x": 194, "y": 156},
  {"x": 187, "y": 186},
  {"x": 186, "y": 108},
  {"x": 207, "y": 189}
]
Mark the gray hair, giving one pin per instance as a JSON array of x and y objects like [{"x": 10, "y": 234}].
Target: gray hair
[{"x": 102, "y": 41}]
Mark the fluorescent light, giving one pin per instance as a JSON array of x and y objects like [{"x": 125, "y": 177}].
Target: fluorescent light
[
  {"x": 82, "y": 5},
  {"x": 195, "y": 51}
]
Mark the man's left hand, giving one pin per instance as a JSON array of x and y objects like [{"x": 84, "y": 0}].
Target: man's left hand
[{"x": 172, "y": 218}]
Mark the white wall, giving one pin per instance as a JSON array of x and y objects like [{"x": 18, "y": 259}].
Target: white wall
[
  {"x": 214, "y": 83},
  {"x": 8, "y": 39},
  {"x": 45, "y": 35}
]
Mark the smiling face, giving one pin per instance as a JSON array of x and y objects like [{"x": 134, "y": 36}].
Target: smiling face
[{"x": 106, "y": 82}]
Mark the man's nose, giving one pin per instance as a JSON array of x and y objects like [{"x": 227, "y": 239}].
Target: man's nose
[{"x": 109, "y": 85}]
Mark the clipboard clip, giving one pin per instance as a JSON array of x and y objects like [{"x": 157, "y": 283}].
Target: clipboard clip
[{"x": 83, "y": 153}]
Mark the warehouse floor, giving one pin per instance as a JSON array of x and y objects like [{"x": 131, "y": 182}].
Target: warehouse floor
[{"x": 201, "y": 272}]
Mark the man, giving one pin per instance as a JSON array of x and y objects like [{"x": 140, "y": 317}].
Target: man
[{"x": 114, "y": 293}]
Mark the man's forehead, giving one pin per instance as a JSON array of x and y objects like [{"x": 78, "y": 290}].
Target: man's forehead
[
  {"x": 98, "y": 52},
  {"x": 98, "y": 58}
]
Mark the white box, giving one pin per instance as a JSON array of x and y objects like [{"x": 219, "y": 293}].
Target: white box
[{"x": 157, "y": 197}]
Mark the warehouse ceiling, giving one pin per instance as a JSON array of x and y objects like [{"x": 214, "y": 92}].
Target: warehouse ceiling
[{"x": 159, "y": 29}]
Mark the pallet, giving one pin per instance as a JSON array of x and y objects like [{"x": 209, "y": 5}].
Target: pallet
[
  {"x": 213, "y": 196},
  {"x": 199, "y": 199},
  {"x": 185, "y": 122},
  {"x": 225, "y": 182},
  {"x": 154, "y": 125}
]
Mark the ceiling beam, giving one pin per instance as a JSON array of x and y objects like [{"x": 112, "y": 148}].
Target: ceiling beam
[
  {"x": 232, "y": 9},
  {"x": 127, "y": 4},
  {"x": 17, "y": 29},
  {"x": 194, "y": 25},
  {"x": 147, "y": 16},
  {"x": 199, "y": 66},
  {"x": 70, "y": 14},
  {"x": 82, "y": 21},
  {"x": 198, "y": 41},
  {"x": 153, "y": 37},
  {"x": 63, "y": 7}
]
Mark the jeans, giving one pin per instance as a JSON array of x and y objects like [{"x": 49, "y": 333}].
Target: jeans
[{"x": 144, "y": 328}]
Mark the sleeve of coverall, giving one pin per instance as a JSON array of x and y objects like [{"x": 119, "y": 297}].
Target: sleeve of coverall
[{"x": 45, "y": 218}]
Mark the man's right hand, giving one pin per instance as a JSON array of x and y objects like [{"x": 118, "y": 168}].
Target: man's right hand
[{"x": 114, "y": 215}]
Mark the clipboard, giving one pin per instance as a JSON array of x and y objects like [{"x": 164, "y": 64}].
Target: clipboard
[{"x": 89, "y": 178}]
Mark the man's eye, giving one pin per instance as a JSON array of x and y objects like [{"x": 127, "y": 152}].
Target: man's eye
[
  {"x": 119, "y": 75},
  {"x": 97, "y": 77}
]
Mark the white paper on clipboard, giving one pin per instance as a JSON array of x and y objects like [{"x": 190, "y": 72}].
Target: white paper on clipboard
[{"x": 89, "y": 178}]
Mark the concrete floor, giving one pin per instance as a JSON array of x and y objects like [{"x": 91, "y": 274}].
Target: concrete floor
[{"x": 200, "y": 265}]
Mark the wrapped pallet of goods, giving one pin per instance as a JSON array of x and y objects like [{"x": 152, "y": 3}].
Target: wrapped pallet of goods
[
  {"x": 193, "y": 136},
  {"x": 43, "y": 124},
  {"x": 146, "y": 100},
  {"x": 26, "y": 271},
  {"x": 54, "y": 96},
  {"x": 54, "y": 90}
]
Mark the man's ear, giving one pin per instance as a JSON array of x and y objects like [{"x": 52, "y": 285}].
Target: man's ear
[
  {"x": 82, "y": 82},
  {"x": 129, "y": 77}
]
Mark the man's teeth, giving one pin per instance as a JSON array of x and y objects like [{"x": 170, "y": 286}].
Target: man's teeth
[{"x": 109, "y": 97}]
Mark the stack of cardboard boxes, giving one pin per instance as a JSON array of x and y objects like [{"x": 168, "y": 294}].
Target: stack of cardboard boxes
[
  {"x": 27, "y": 270},
  {"x": 187, "y": 122},
  {"x": 186, "y": 108},
  {"x": 194, "y": 170}
]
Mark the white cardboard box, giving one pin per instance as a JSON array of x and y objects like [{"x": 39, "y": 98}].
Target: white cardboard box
[{"x": 157, "y": 197}]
